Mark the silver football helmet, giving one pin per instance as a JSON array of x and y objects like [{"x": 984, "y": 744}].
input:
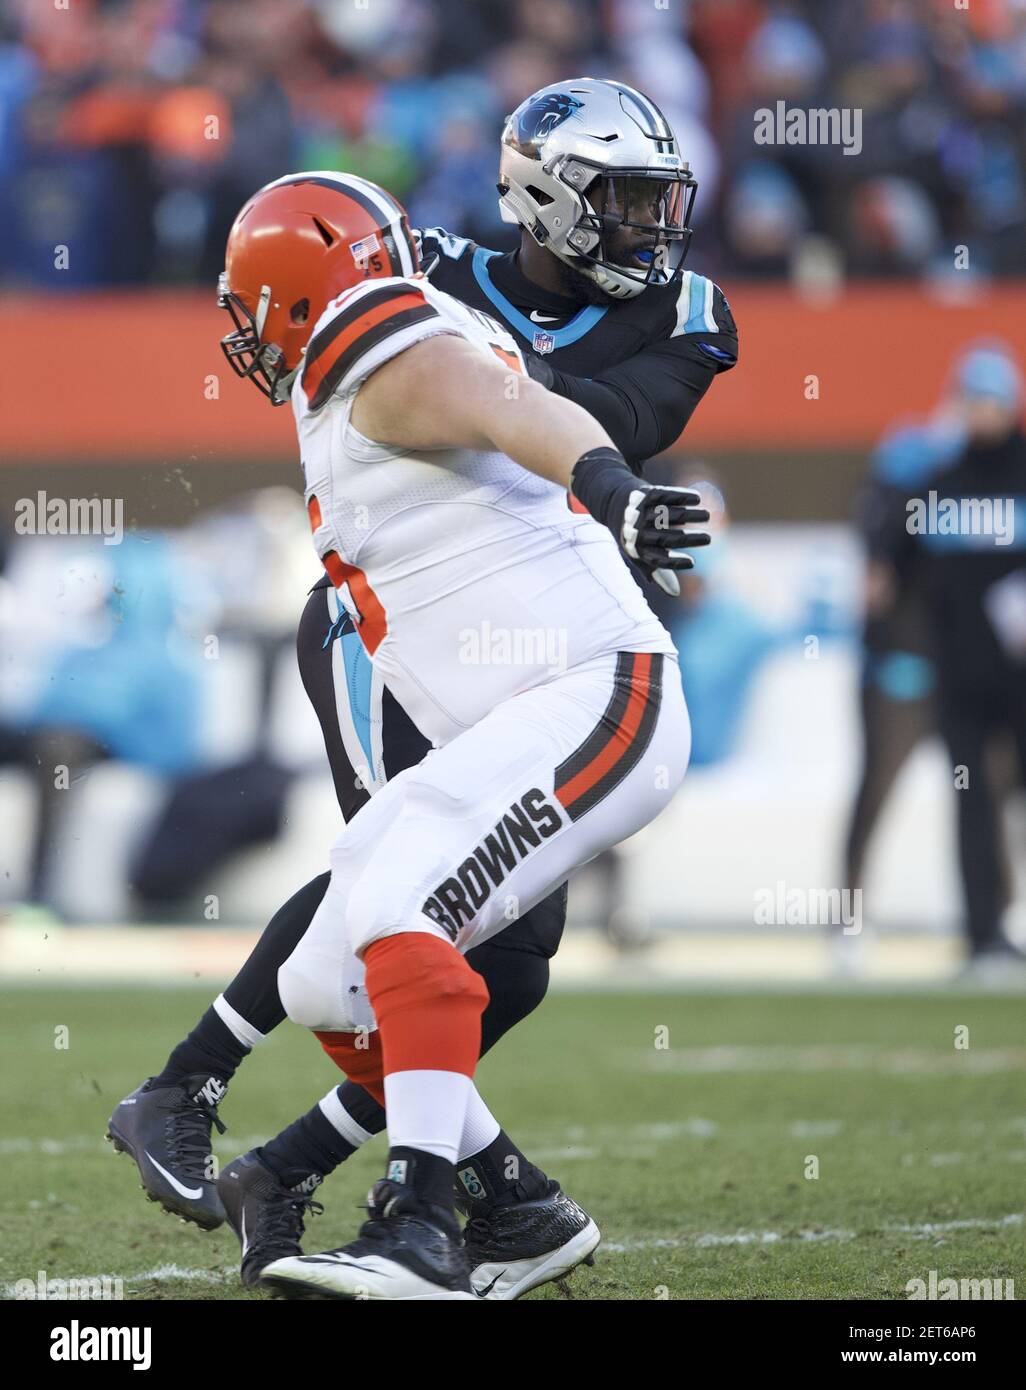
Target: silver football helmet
[{"x": 583, "y": 158}]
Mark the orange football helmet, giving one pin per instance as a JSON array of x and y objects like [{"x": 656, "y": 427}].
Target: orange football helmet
[{"x": 296, "y": 244}]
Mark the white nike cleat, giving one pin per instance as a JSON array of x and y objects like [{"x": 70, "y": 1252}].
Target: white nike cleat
[
  {"x": 403, "y": 1255},
  {"x": 341, "y": 1274},
  {"x": 518, "y": 1246}
]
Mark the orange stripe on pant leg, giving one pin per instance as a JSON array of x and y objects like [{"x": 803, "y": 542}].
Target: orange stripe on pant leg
[
  {"x": 428, "y": 1003},
  {"x": 359, "y": 1056},
  {"x": 619, "y": 741}
]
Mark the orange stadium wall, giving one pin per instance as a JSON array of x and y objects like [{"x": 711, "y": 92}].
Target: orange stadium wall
[{"x": 139, "y": 377}]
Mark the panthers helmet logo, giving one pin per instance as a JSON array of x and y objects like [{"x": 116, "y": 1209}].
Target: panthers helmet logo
[{"x": 536, "y": 121}]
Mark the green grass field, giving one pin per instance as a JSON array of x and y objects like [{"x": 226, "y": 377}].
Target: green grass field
[{"x": 685, "y": 1124}]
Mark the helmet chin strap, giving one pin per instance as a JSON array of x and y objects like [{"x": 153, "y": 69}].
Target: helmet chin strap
[
  {"x": 606, "y": 278},
  {"x": 263, "y": 304},
  {"x": 612, "y": 284},
  {"x": 283, "y": 386}
]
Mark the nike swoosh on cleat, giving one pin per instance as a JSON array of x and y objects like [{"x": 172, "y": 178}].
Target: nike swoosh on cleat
[
  {"x": 483, "y": 1293},
  {"x": 345, "y": 1264},
  {"x": 178, "y": 1187}
]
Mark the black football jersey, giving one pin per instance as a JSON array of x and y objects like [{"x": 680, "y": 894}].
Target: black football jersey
[{"x": 639, "y": 366}]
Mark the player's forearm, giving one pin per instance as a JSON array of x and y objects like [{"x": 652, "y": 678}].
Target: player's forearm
[
  {"x": 641, "y": 419},
  {"x": 542, "y": 432},
  {"x": 644, "y": 404},
  {"x": 444, "y": 394},
  {"x": 614, "y": 410}
]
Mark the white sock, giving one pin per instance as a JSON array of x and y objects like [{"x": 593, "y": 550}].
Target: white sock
[
  {"x": 240, "y": 1029},
  {"x": 426, "y": 1110},
  {"x": 340, "y": 1119},
  {"x": 480, "y": 1127}
]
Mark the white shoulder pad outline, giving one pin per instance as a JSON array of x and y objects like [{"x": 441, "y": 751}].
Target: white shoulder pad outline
[{"x": 361, "y": 329}]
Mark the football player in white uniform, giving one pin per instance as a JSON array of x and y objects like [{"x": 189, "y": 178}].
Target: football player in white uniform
[
  {"x": 590, "y": 171},
  {"x": 460, "y": 510}
]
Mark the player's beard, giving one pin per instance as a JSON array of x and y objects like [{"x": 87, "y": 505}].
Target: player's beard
[{"x": 579, "y": 287}]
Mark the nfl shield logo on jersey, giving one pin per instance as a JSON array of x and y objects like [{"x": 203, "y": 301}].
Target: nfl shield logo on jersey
[{"x": 543, "y": 342}]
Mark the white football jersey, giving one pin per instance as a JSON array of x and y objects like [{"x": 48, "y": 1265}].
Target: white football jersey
[{"x": 468, "y": 578}]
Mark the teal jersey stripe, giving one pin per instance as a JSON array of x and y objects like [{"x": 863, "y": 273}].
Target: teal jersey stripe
[
  {"x": 359, "y": 671},
  {"x": 696, "y": 307},
  {"x": 580, "y": 324}
]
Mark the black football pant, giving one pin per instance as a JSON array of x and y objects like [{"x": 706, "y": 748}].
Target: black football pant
[
  {"x": 971, "y": 723},
  {"x": 891, "y": 731}
]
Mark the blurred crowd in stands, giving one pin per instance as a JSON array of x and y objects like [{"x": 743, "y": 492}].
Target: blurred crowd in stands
[{"x": 132, "y": 130}]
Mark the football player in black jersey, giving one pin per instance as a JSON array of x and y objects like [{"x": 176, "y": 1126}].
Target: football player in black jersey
[
  {"x": 590, "y": 293},
  {"x": 597, "y": 296}
]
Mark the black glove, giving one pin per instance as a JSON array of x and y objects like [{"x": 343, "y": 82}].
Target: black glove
[{"x": 647, "y": 521}]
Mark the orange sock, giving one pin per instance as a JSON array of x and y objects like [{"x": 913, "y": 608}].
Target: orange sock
[
  {"x": 428, "y": 1003},
  {"x": 359, "y": 1056}
]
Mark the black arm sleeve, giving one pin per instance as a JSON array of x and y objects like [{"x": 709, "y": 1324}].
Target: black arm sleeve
[{"x": 644, "y": 403}]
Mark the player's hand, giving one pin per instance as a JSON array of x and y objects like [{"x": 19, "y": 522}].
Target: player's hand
[
  {"x": 655, "y": 531},
  {"x": 651, "y": 523}
]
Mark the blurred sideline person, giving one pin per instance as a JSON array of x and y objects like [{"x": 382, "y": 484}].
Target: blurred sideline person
[
  {"x": 897, "y": 673},
  {"x": 238, "y": 798},
  {"x": 967, "y": 560},
  {"x": 114, "y": 680},
  {"x": 639, "y": 360}
]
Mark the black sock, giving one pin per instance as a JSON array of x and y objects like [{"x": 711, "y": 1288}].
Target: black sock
[
  {"x": 430, "y": 1180},
  {"x": 210, "y": 1047},
  {"x": 309, "y": 1146},
  {"x": 313, "y": 1144},
  {"x": 496, "y": 1176},
  {"x": 362, "y": 1107}
]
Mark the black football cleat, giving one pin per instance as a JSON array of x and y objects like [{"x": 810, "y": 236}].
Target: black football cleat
[
  {"x": 167, "y": 1131},
  {"x": 406, "y": 1251},
  {"x": 266, "y": 1216},
  {"x": 518, "y": 1245}
]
